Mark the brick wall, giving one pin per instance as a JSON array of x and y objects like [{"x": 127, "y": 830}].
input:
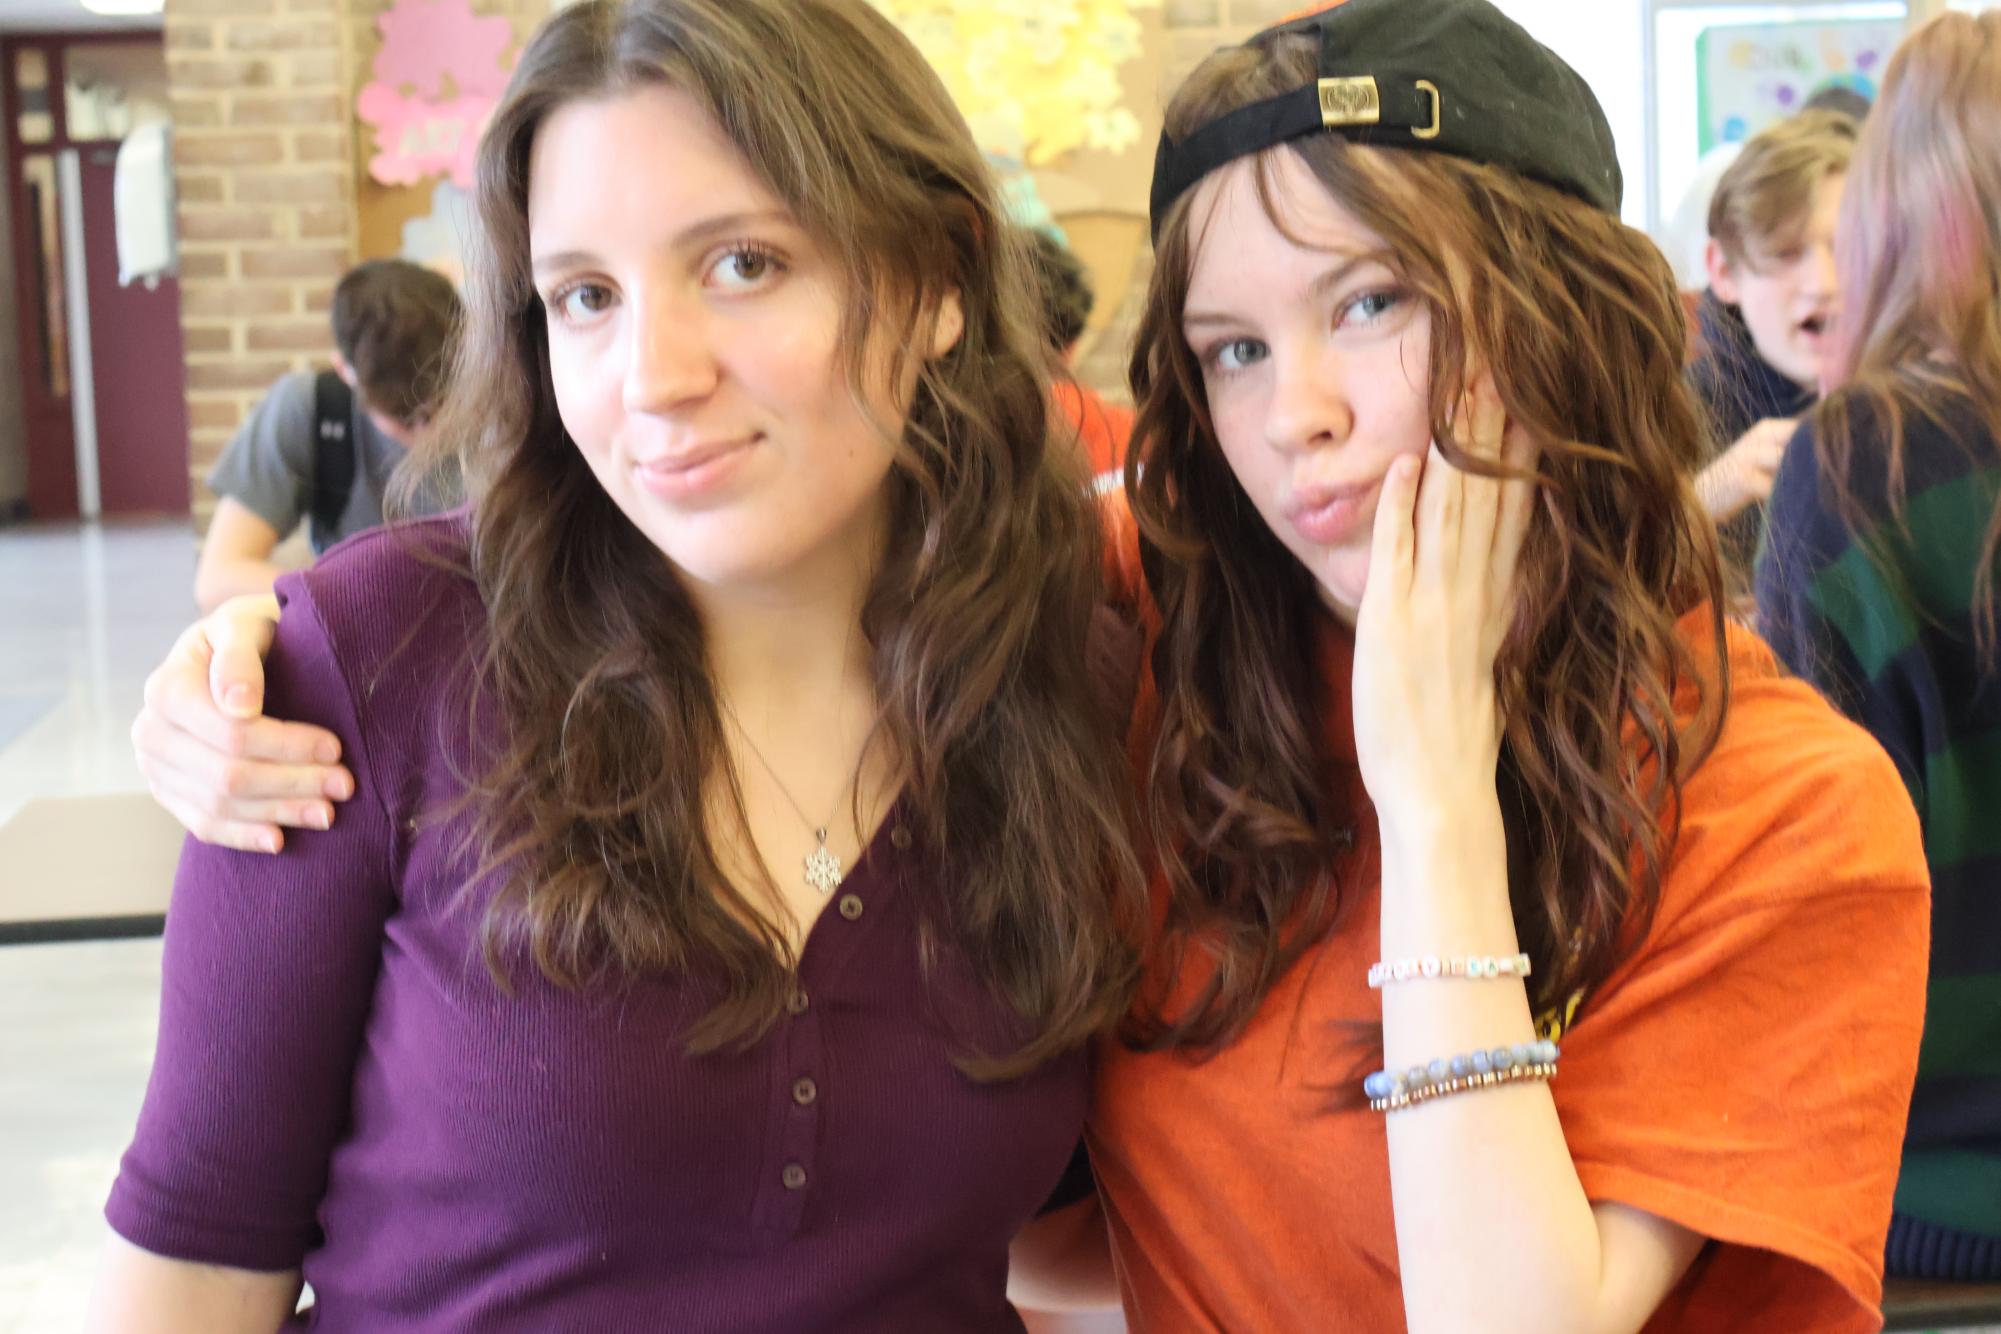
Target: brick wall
[{"x": 264, "y": 167}]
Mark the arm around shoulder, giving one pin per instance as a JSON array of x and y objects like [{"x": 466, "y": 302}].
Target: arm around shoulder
[{"x": 269, "y": 971}]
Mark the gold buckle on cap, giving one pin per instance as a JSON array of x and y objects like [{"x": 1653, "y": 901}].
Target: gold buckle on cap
[
  {"x": 1424, "y": 131},
  {"x": 1351, "y": 101}
]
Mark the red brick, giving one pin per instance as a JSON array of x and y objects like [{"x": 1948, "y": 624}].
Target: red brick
[
  {"x": 291, "y": 187},
  {"x": 225, "y": 301},
  {"x": 227, "y": 150},
  {"x": 289, "y": 34},
  {"x": 292, "y": 261},
  {"x": 194, "y": 111},
  {"x": 314, "y": 109},
  {"x": 200, "y": 264},
  {"x": 235, "y": 373},
  {"x": 210, "y": 223},
  {"x": 289, "y": 336},
  {"x": 213, "y": 415},
  {"x": 188, "y": 36},
  {"x": 317, "y": 300},
  {"x": 323, "y": 220},
  {"x": 319, "y": 146},
  {"x": 224, "y": 9},
  {"x": 220, "y": 73},
  {"x": 204, "y": 188},
  {"x": 313, "y": 69}
]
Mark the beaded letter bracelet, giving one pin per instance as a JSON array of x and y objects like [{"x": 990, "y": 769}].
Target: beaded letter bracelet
[
  {"x": 1461, "y": 1074},
  {"x": 1479, "y": 965}
]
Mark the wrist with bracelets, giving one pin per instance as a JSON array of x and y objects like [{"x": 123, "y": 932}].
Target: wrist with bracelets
[
  {"x": 1442, "y": 1078},
  {"x": 1433, "y": 966},
  {"x": 1388, "y": 1091}
]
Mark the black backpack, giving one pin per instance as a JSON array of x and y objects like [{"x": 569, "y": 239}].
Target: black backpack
[{"x": 333, "y": 456}]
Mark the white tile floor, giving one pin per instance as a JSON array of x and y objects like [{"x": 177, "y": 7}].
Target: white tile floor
[
  {"x": 85, "y": 612},
  {"x": 75, "y": 1045}
]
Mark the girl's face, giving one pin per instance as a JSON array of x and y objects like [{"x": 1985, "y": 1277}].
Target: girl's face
[
  {"x": 694, "y": 344},
  {"x": 1315, "y": 361}
]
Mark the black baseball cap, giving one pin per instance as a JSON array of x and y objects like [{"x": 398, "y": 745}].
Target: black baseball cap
[{"x": 1446, "y": 76}]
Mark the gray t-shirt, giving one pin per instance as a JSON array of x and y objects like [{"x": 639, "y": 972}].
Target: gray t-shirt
[{"x": 268, "y": 467}]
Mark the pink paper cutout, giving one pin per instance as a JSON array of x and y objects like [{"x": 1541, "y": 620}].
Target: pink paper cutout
[{"x": 438, "y": 77}]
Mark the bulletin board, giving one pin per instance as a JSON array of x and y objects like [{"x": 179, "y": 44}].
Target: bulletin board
[{"x": 1751, "y": 75}]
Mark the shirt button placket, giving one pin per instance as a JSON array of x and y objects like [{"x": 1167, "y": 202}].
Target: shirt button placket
[{"x": 801, "y": 1040}]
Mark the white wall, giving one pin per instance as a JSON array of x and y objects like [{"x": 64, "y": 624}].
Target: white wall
[{"x": 1603, "y": 40}]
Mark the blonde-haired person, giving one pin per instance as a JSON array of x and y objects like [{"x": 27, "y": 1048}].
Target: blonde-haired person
[
  {"x": 732, "y": 882},
  {"x": 1767, "y": 316},
  {"x": 1878, "y": 581}
]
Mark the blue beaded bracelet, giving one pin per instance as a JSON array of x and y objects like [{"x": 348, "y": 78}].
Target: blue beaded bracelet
[{"x": 1389, "y": 1092}]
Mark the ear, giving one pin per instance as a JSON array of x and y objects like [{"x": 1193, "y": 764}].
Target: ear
[
  {"x": 1722, "y": 274},
  {"x": 343, "y": 370},
  {"x": 948, "y": 324}
]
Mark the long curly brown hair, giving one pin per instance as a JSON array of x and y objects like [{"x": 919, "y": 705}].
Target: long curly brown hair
[
  {"x": 1577, "y": 318},
  {"x": 978, "y": 616}
]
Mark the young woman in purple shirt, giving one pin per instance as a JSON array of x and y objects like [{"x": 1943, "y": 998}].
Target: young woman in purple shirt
[{"x": 713, "y": 934}]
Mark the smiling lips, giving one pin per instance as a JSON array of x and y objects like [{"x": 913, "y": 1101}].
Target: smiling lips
[
  {"x": 689, "y": 473},
  {"x": 1325, "y": 515}
]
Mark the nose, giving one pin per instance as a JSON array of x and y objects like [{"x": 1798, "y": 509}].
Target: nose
[
  {"x": 1309, "y": 406},
  {"x": 671, "y": 361},
  {"x": 1823, "y": 277}
]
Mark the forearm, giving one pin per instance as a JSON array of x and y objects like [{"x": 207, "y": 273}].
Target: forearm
[
  {"x": 1493, "y": 1228},
  {"x": 1716, "y": 487},
  {"x": 1062, "y": 1262},
  {"x": 222, "y": 578},
  {"x": 142, "y": 1293}
]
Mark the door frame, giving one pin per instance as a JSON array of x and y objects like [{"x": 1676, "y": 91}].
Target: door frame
[{"x": 52, "y": 468}]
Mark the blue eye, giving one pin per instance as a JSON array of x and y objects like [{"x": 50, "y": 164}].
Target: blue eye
[
  {"x": 1370, "y": 307},
  {"x": 1237, "y": 354}
]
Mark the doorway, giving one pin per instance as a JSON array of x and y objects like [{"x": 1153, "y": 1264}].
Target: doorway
[{"x": 122, "y": 450}]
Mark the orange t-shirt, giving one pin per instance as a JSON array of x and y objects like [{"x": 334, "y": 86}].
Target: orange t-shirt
[
  {"x": 1102, "y": 428},
  {"x": 1744, "y": 1074}
]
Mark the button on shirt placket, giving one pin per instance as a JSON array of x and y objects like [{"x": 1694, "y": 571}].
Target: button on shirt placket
[{"x": 803, "y": 1066}]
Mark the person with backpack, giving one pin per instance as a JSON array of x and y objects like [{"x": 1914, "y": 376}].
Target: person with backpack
[{"x": 324, "y": 445}]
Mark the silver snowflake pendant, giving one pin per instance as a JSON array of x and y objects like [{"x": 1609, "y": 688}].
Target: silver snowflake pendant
[{"x": 823, "y": 868}]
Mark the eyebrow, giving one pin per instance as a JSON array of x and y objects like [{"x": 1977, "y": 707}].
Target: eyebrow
[
  {"x": 696, "y": 234},
  {"x": 1333, "y": 278}
]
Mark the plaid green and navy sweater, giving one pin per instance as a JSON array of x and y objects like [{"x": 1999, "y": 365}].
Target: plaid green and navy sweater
[{"x": 1882, "y": 621}]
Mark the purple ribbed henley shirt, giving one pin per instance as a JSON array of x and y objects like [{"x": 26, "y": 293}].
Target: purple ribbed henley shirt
[{"x": 341, "y": 1086}]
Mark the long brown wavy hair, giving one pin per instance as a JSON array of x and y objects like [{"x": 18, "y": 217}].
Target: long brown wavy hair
[
  {"x": 1577, "y": 318},
  {"x": 1919, "y": 252},
  {"x": 593, "y": 812}
]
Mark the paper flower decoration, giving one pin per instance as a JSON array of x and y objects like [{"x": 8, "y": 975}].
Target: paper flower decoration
[
  {"x": 437, "y": 78},
  {"x": 1033, "y": 81}
]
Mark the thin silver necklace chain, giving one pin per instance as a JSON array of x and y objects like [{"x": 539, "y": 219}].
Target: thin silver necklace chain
[{"x": 823, "y": 868}]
